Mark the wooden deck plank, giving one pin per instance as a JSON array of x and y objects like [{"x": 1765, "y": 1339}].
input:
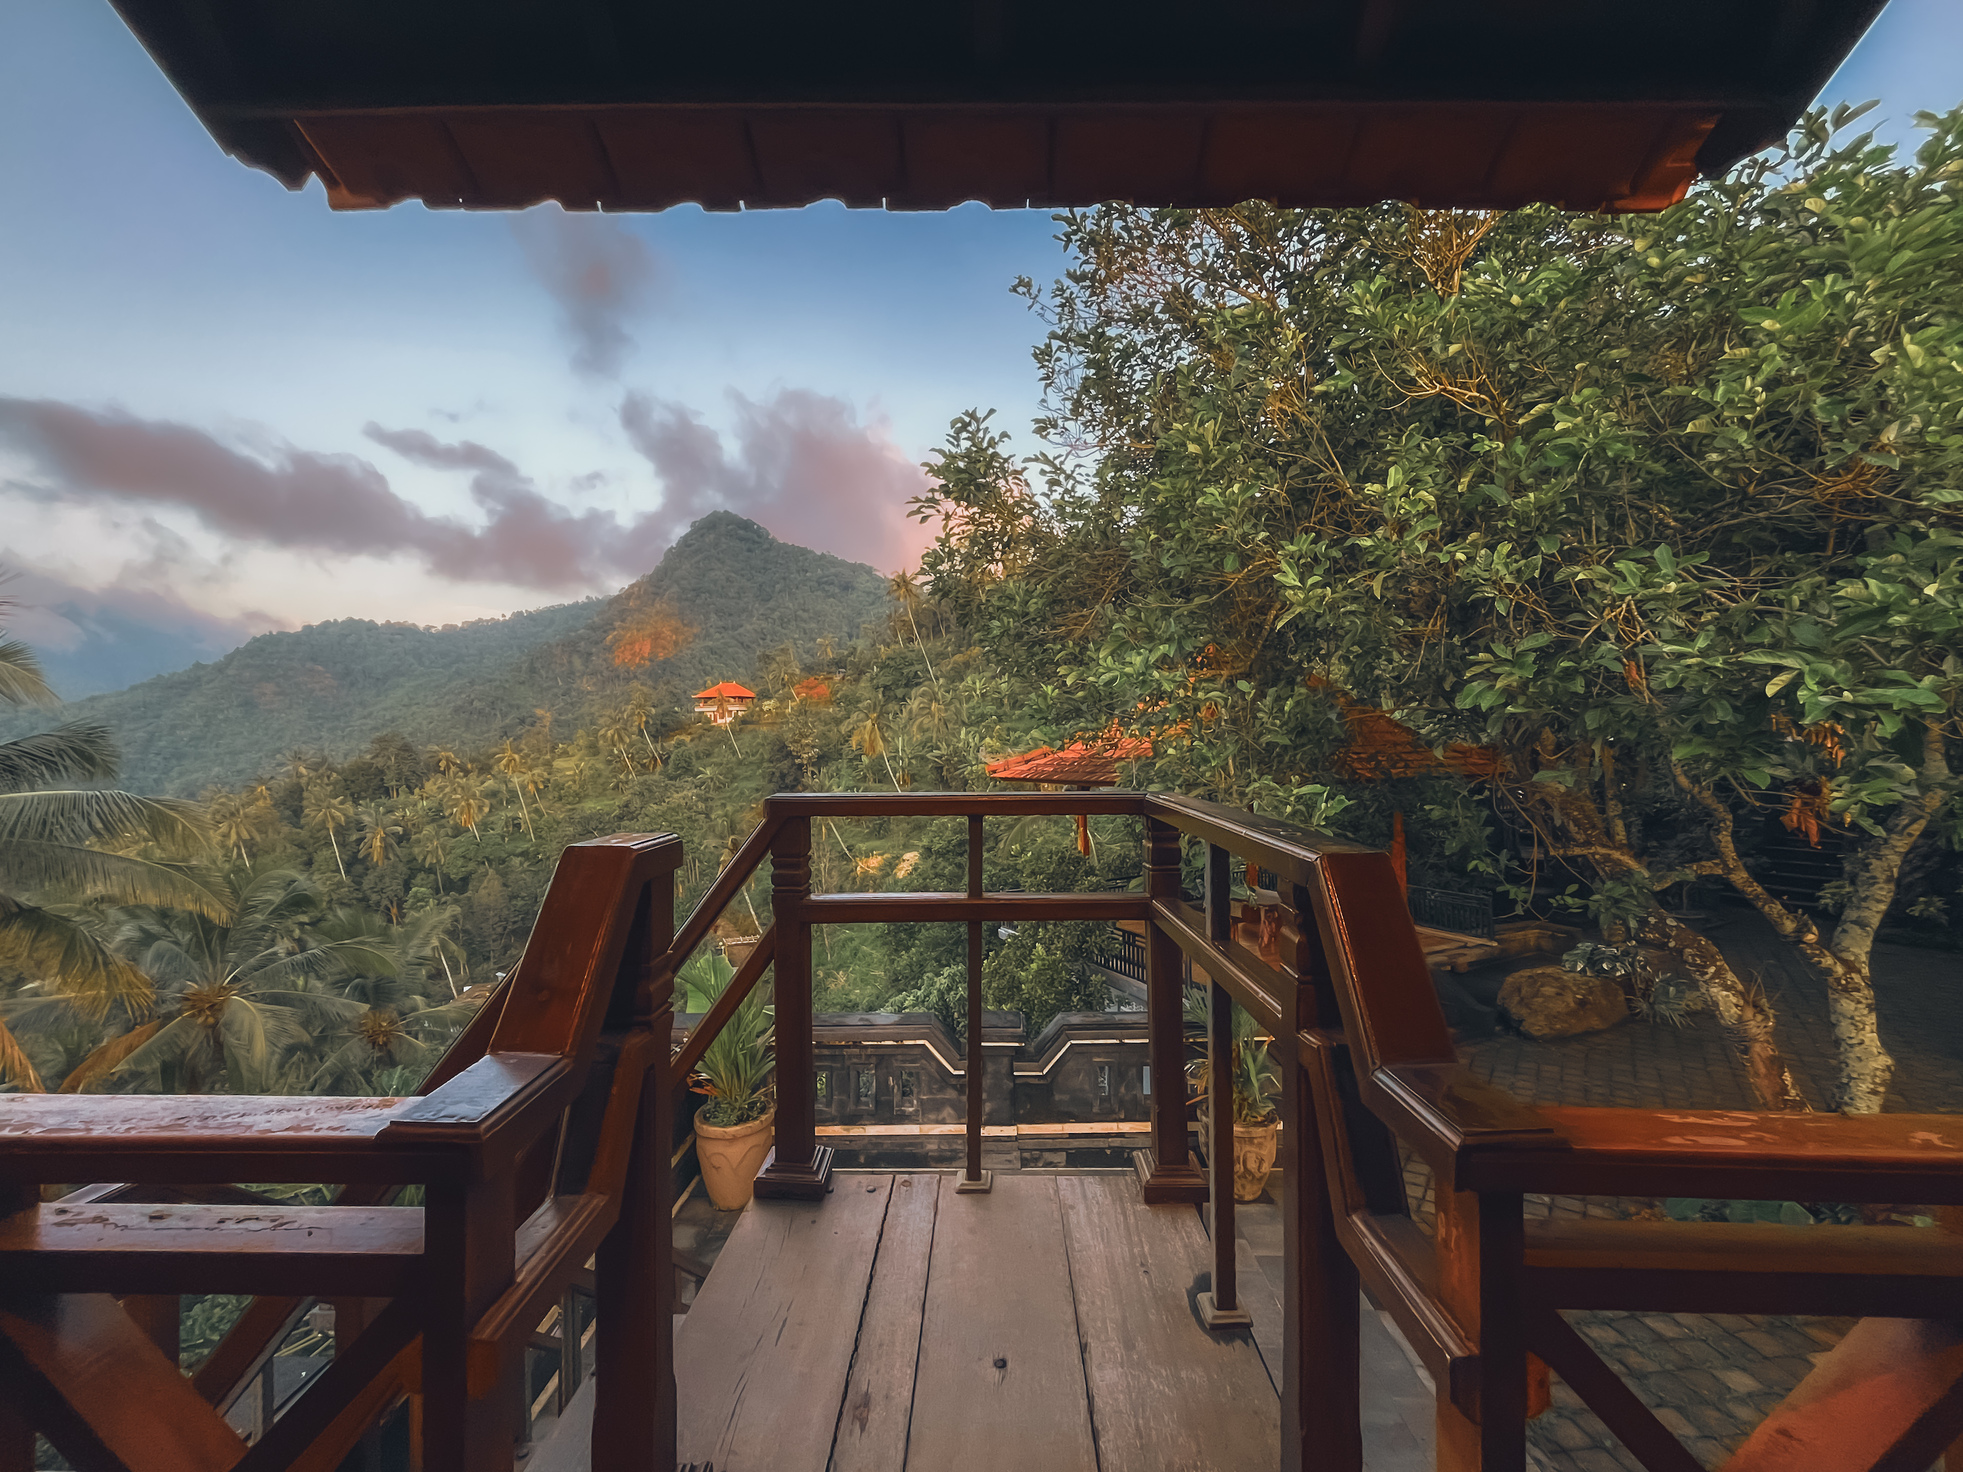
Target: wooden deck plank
[
  {"x": 762, "y": 1357},
  {"x": 872, "y": 1427},
  {"x": 1262, "y": 1300},
  {"x": 1166, "y": 1393},
  {"x": 1001, "y": 1380}
]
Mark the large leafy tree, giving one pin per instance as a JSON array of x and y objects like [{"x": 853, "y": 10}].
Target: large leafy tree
[
  {"x": 64, "y": 846},
  {"x": 1664, "y": 508}
]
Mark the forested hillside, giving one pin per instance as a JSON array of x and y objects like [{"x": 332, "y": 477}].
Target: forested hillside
[{"x": 724, "y": 593}]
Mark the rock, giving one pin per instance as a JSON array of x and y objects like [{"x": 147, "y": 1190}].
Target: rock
[{"x": 1547, "y": 1002}]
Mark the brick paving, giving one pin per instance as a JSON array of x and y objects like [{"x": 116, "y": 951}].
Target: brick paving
[{"x": 1712, "y": 1377}]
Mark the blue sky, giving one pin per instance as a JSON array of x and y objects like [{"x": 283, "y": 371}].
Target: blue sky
[{"x": 194, "y": 363}]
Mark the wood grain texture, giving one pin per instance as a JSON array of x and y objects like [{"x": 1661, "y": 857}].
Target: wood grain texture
[
  {"x": 1001, "y": 1378},
  {"x": 90, "y": 1382},
  {"x": 762, "y": 1357},
  {"x": 127, "y": 1248},
  {"x": 872, "y": 1426},
  {"x": 1165, "y": 1392}
]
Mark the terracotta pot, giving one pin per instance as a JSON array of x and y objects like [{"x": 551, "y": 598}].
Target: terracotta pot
[
  {"x": 731, "y": 1156},
  {"x": 1254, "y": 1157},
  {"x": 737, "y": 951}
]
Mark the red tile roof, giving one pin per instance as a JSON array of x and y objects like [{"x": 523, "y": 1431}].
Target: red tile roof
[
  {"x": 1380, "y": 747},
  {"x": 727, "y": 690},
  {"x": 1080, "y": 764}
]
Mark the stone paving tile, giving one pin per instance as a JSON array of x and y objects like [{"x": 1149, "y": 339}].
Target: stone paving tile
[{"x": 1713, "y": 1377}]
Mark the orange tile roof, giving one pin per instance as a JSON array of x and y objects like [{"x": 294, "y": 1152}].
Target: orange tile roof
[
  {"x": 1080, "y": 764},
  {"x": 1380, "y": 746},
  {"x": 727, "y": 690}
]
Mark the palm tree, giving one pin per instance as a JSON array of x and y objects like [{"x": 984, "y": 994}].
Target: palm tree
[
  {"x": 233, "y": 997},
  {"x": 640, "y": 710},
  {"x": 386, "y": 969},
  {"x": 613, "y": 736},
  {"x": 328, "y": 811},
  {"x": 511, "y": 762},
  {"x": 430, "y": 849},
  {"x": 379, "y": 833},
  {"x": 906, "y": 592},
  {"x": 59, "y": 845},
  {"x": 467, "y": 805},
  {"x": 447, "y": 763},
  {"x": 869, "y": 738}
]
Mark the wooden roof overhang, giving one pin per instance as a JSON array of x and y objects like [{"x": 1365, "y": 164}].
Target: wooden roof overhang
[{"x": 925, "y": 104}]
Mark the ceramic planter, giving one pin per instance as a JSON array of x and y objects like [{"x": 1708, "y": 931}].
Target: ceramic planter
[
  {"x": 1254, "y": 1157},
  {"x": 731, "y": 1156}
]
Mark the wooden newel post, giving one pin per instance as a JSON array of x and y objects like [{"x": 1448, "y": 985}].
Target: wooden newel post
[
  {"x": 1171, "y": 1174},
  {"x": 798, "y": 1166},
  {"x": 633, "y": 1342},
  {"x": 1321, "y": 1389}
]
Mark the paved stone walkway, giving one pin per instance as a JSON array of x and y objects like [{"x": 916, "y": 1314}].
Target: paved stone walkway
[{"x": 1712, "y": 1377}]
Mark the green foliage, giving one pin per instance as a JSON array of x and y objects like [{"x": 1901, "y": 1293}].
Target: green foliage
[
  {"x": 1661, "y": 508},
  {"x": 735, "y": 1071},
  {"x": 1255, "y": 1080}
]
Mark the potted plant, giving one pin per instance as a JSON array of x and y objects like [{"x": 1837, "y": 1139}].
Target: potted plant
[
  {"x": 734, "y": 1127},
  {"x": 1256, "y": 1082}
]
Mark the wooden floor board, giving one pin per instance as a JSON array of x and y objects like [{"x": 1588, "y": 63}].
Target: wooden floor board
[
  {"x": 1166, "y": 1393},
  {"x": 761, "y": 1359},
  {"x": 1000, "y": 1382},
  {"x": 872, "y": 1427}
]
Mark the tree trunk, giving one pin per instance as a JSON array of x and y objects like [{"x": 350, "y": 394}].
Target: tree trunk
[
  {"x": 1743, "y": 1013},
  {"x": 1865, "y": 1066},
  {"x": 1872, "y": 874}
]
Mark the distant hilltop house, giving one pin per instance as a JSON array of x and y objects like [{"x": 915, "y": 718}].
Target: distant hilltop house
[{"x": 725, "y": 702}]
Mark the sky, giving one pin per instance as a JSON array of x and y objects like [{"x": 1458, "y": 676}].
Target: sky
[{"x": 225, "y": 409}]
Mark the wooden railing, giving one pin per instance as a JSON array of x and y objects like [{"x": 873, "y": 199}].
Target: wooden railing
[{"x": 541, "y": 1149}]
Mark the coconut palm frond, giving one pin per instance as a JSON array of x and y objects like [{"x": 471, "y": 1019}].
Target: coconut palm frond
[
  {"x": 21, "y": 681},
  {"x": 70, "y": 960},
  {"x": 109, "y": 1057},
  {"x": 77, "y": 752},
  {"x": 75, "y": 870},
  {"x": 74, "y": 815},
  {"x": 16, "y": 1068}
]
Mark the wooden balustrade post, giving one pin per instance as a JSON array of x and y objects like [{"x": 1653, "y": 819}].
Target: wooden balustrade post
[
  {"x": 1480, "y": 1261},
  {"x": 1321, "y": 1387},
  {"x": 467, "y": 1235},
  {"x": 1167, "y": 1172},
  {"x": 634, "y": 1399},
  {"x": 974, "y": 1063},
  {"x": 1220, "y": 1307},
  {"x": 797, "y": 1165}
]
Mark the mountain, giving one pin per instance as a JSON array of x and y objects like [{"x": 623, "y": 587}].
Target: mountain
[{"x": 335, "y": 686}]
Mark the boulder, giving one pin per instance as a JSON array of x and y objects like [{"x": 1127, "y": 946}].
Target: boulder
[{"x": 1547, "y": 1002}]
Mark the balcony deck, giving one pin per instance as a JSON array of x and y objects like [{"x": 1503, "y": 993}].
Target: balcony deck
[{"x": 1048, "y": 1323}]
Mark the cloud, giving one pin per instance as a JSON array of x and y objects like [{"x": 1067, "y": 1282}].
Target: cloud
[
  {"x": 802, "y": 464},
  {"x": 599, "y": 273},
  {"x": 329, "y": 504},
  {"x": 91, "y": 639}
]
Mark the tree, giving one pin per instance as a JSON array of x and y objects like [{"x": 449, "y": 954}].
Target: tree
[
  {"x": 234, "y": 998},
  {"x": 380, "y": 833},
  {"x": 905, "y": 591},
  {"x": 386, "y": 969},
  {"x": 869, "y": 739},
  {"x": 1662, "y": 509},
  {"x": 60, "y": 844},
  {"x": 327, "y": 810},
  {"x": 511, "y": 761}
]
